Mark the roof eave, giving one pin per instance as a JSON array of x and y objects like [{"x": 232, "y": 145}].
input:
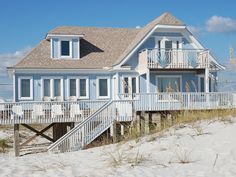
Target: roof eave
[{"x": 50, "y": 36}]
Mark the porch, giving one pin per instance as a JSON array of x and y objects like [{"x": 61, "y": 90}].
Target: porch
[{"x": 124, "y": 107}]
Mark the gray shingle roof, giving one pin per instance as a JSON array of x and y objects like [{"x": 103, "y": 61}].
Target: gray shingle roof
[{"x": 100, "y": 47}]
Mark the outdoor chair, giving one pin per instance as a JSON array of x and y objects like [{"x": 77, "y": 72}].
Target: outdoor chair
[
  {"x": 17, "y": 112},
  {"x": 37, "y": 111},
  {"x": 75, "y": 111},
  {"x": 57, "y": 111}
]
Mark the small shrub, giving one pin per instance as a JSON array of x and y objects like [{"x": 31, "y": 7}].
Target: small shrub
[
  {"x": 198, "y": 129},
  {"x": 116, "y": 158},
  {"x": 182, "y": 156},
  {"x": 3, "y": 145},
  {"x": 136, "y": 159}
]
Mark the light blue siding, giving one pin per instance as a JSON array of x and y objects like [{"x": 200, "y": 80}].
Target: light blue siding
[{"x": 37, "y": 85}]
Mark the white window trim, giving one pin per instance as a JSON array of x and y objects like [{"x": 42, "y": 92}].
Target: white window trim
[
  {"x": 78, "y": 87},
  {"x": 108, "y": 85},
  {"x": 51, "y": 78},
  {"x": 31, "y": 88},
  {"x": 130, "y": 82},
  {"x": 170, "y": 76},
  {"x": 59, "y": 48}
]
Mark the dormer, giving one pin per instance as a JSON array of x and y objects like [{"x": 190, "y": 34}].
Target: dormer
[{"x": 65, "y": 46}]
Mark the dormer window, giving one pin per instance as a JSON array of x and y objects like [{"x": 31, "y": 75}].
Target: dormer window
[{"x": 65, "y": 48}]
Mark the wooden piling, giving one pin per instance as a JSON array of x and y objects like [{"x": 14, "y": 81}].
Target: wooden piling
[
  {"x": 59, "y": 129},
  {"x": 146, "y": 123},
  {"x": 138, "y": 122},
  {"x": 16, "y": 140},
  {"x": 114, "y": 132},
  {"x": 122, "y": 129},
  {"x": 156, "y": 119}
]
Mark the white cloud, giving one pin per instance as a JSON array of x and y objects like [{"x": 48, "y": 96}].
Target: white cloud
[
  {"x": 221, "y": 24},
  {"x": 10, "y": 59},
  {"x": 7, "y": 60}
]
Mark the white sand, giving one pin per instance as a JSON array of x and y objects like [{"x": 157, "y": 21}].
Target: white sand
[{"x": 210, "y": 154}]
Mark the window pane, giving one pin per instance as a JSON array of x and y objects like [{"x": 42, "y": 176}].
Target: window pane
[
  {"x": 65, "y": 48},
  {"x": 57, "y": 87},
  {"x": 168, "y": 84},
  {"x": 126, "y": 85},
  {"x": 134, "y": 85},
  {"x": 46, "y": 87},
  {"x": 72, "y": 87},
  {"x": 202, "y": 84},
  {"x": 25, "y": 87},
  {"x": 103, "y": 87},
  {"x": 82, "y": 87}
]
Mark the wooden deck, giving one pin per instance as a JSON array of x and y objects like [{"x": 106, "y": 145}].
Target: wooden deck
[{"x": 59, "y": 112}]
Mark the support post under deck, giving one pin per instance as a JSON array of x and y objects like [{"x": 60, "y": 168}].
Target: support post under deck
[{"x": 16, "y": 140}]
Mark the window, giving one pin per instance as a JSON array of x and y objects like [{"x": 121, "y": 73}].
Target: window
[
  {"x": 129, "y": 85},
  {"x": 79, "y": 87},
  {"x": 57, "y": 87},
  {"x": 169, "y": 83},
  {"x": 103, "y": 87},
  {"x": 25, "y": 88},
  {"x": 126, "y": 85},
  {"x": 65, "y": 48},
  {"x": 134, "y": 85},
  {"x": 177, "y": 44},
  {"x": 46, "y": 88},
  {"x": 72, "y": 87},
  {"x": 82, "y": 88},
  {"x": 52, "y": 87}
]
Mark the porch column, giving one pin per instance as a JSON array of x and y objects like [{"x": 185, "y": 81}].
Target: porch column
[
  {"x": 207, "y": 80},
  {"x": 116, "y": 86},
  {"x": 148, "y": 81}
]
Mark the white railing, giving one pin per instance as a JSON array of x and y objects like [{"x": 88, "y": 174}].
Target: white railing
[
  {"x": 88, "y": 130},
  {"x": 176, "y": 58},
  {"x": 47, "y": 112},
  {"x": 181, "y": 101},
  {"x": 121, "y": 110}
]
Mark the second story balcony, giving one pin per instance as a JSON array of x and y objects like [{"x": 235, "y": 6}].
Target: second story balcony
[{"x": 174, "y": 58}]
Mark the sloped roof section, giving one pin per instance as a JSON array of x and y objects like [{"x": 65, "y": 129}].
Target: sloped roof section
[{"x": 99, "y": 48}]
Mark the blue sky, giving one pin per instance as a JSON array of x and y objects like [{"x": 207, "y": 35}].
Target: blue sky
[{"x": 24, "y": 23}]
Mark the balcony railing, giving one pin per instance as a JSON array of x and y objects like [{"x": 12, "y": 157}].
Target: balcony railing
[
  {"x": 174, "y": 58},
  {"x": 181, "y": 101}
]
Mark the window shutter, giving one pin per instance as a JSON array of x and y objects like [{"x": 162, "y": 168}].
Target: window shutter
[
  {"x": 55, "y": 48},
  {"x": 75, "y": 49}
]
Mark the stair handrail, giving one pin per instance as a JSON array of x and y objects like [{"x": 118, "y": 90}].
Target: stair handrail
[{"x": 79, "y": 126}]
